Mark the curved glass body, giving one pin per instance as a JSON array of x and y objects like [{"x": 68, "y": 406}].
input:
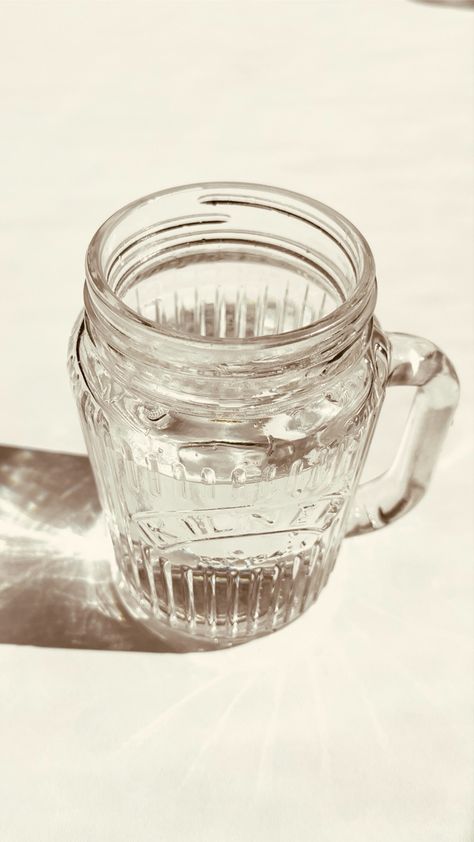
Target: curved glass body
[{"x": 229, "y": 374}]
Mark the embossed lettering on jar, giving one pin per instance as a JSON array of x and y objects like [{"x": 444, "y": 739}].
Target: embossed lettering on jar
[{"x": 229, "y": 375}]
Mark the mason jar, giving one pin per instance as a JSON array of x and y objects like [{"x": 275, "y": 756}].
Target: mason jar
[{"x": 229, "y": 373}]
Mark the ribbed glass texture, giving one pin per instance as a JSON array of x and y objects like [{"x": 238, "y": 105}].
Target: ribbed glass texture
[{"x": 228, "y": 374}]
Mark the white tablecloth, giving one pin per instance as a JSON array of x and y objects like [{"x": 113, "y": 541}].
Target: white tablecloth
[{"x": 355, "y": 723}]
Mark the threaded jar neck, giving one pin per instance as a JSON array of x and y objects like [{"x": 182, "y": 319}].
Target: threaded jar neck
[{"x": 227, "y": 296}]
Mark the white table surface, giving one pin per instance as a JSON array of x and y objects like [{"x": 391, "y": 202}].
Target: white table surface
[{"x": 356, "y": 722}]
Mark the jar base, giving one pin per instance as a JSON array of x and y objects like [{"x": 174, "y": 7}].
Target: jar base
[
  {"x": 176, "y": 640},
  {"x": 196, "y": 639}
]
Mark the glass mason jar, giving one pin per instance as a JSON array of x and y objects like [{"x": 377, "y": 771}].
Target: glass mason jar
[{"x": 229, "y": 373}]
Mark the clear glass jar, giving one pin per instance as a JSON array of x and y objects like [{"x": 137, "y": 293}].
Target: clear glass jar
[{"x": 229, "y": 374}]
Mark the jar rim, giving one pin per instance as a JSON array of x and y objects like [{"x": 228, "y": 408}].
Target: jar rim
[{"x": 359, "y": 303}]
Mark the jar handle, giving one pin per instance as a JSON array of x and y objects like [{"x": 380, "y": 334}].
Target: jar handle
[{"x": 414, "y": 362}]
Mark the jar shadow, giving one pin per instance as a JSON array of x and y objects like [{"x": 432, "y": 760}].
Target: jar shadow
[{"x": 55, "y": 586}]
